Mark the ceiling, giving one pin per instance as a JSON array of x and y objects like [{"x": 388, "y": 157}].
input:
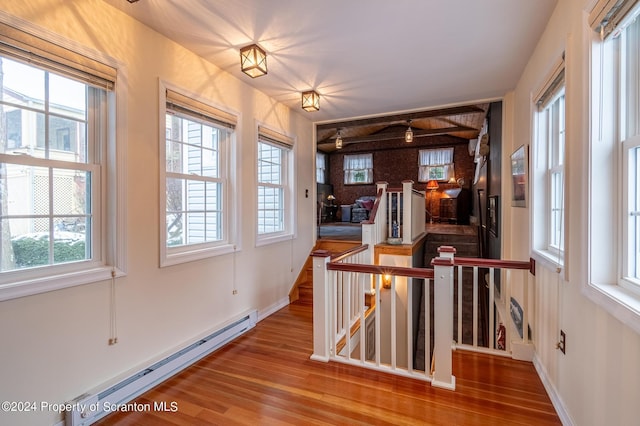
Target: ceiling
[{"x": 378, "y": 60}]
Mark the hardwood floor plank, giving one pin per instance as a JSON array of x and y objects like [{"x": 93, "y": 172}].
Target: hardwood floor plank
[{"x": 266, "y": 378}]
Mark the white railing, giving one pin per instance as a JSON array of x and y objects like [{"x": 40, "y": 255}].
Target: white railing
[
  {"x": 417, "y": 208},
  {"x": 405, "y": 210},
  {"x": 379, "y": 332},
  {"x": 374, "y": 230},
  {"x": 363, "y": 314},
  {"x": 395, "y": 209},
  {"x": 507, "y": 334}
]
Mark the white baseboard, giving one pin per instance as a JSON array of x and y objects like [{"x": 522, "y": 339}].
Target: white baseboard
[
  {"x": 556, "y": 400},
  {"x": 264, "y": 313}
]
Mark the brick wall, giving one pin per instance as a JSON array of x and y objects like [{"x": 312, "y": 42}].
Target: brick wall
[{"x": 396, "y": 161}]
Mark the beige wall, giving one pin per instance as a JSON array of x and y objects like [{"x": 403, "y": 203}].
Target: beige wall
[
  {"x": 53, "y": 346},
  {"x": 597, "y": 382}
]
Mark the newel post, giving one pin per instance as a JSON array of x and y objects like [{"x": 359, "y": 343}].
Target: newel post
[
  {"x": 443, "y": 319},
  {"x": 407, "y": 209},
  {"x": 321, "y": 306}
]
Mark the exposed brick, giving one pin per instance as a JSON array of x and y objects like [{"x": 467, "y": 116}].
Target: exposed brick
[{"x": 396, "y": 161}]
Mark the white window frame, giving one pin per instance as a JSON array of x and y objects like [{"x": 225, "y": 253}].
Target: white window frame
[
  {"x": 630, "y": 277},
  {"x": 439, "y": 158},
  {"x": 321, "y": 167},
  {"x": 366, "y": 160},
  {"x": 109, "y": 257},
  {"x": 194, "y": 108},
  {"x": 547, "y": 160},
  {"x": 286, "y": 145},
  {"x": 614, "y": 131}
]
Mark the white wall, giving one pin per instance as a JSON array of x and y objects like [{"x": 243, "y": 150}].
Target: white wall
[
  {"x": 54, "y": 345},
  {"x": 597, "y": 381}
]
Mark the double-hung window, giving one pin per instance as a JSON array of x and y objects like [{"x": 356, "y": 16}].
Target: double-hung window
[
  {"x": 614, "y": 235},
  {"x": 197, "y": 178},
  {"x": 435, "y": 164},
  {"x": 321, "y": 167},
  {"x": 275, "y": 186},
  {"x": 57, "y": 173},
  {"x": 548, "y": 183},
  {"x": 358, "y": 169}
]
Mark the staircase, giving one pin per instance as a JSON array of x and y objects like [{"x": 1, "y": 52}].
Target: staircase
[
  {"x": 302, "y": 290},
  {"x": 465, "y": 240}
]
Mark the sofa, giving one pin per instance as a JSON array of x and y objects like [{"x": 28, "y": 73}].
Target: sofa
[{"x": 362, "y": 207}]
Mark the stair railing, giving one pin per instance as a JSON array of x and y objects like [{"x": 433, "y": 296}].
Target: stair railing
[
  {"x": 405, "y": 210},
  {"x": 379, "y": 332},
  {"x": 507, "y": 289}
]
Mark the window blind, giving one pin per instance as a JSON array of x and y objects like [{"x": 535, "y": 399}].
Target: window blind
[
  {"x": 269, "y": 135},
  {"x": 36, "y": 51},
  {"x": 552, "y": 86},
  {"x": 609, "y": 15},
  {"x": 183, "y": 104}
]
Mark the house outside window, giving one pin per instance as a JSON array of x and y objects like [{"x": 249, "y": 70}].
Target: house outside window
[
  {"x": 56, "y": 176},
  {"x": 275, "y": 210},
  {"x": 197, "y": 180},
  {"x": 548, "y": 183},
  {"x": 614, "y": 237},
  {"x": 358, "y": 169},
  {"x": 435, "y": 164}
]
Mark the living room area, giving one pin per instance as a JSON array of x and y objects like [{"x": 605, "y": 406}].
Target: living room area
[{"x": 451, "y": 155}]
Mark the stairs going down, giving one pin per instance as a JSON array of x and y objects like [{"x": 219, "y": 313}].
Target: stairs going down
[{"x": 302, "y": 290}]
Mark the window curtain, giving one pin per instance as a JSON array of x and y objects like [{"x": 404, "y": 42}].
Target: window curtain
[
  {"x": 435, "y": 158},
  {"x": 321, "y": 166},
  {"x": 358, "y": 168}
]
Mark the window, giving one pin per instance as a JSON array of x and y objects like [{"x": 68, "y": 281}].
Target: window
[
  {"x": 614, "y": 154},
  {"x": 358, "y": 169},
  {"x": 321, "y": 167},
  {"x": 275, "y": 186},
  {"x": 56, "y": 173},
  {"x": 548, "y": 205},
  {"x": 630, "y": 141},
  {"x": 197, "y": 179},
  {"x": 435, "y": 164},
  {"x": 631, "y": 267}
]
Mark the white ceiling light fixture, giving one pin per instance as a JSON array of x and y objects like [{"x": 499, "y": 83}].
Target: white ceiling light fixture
[
  {"x": 253, "y": 61},
  {"x": 408, "y": 135},
  {"x": 310, "y": 101},
  {"x": 339, "y": 141}
]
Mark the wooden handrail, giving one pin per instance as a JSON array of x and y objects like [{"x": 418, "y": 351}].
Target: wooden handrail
[
  {"x": 381, "y": 270},
  {"x": 491, "y": 263},
  {"x": 350, "y": 252},
  {"x": 374, "y": 210}
]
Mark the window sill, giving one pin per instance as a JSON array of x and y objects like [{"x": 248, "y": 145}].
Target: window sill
[
  {"x": 548, "y": 260},
  {"x": 191, "y": 255},
  {"x": 264, "y": 240},
  {"x": 623, "y": 304},
  {"x": 35, "y": 286}
]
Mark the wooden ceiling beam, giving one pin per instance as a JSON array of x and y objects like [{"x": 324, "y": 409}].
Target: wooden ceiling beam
[
  {"x": 467, "y": 109},
  {"x": 417, "y": 133}
]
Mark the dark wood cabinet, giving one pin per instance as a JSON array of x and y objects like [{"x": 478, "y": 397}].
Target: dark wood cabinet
[{"x": 449, "y": 210}]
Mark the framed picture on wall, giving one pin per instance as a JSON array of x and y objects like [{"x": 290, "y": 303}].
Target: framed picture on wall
[
  {"x": 493, "y": 222},
  {"x": 519, "y": 172}
]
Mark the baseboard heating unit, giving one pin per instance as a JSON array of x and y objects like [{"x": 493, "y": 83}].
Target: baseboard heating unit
[{"x": 92, "y": 406}]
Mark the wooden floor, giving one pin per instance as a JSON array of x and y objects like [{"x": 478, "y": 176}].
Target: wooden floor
[{"x": 266, "y": 378}]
